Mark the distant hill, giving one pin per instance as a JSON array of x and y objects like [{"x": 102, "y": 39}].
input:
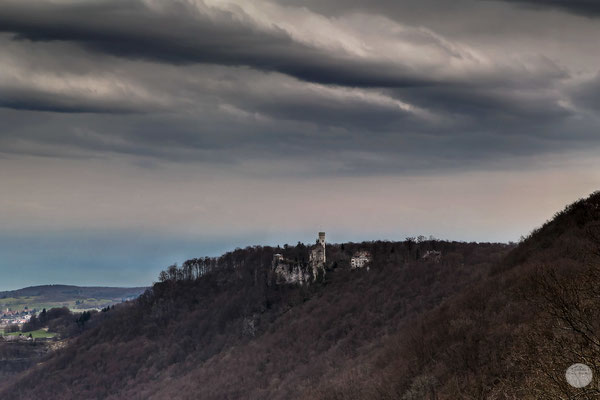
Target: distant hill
[
  {"x": 483, "y": 321},
  {"x": 74, "y": 297}
]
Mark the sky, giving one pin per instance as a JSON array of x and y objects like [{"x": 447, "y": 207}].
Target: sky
[{"x": 139, "y": 133}]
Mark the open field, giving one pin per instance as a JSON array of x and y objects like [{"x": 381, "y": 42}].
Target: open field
[
  {"x": 40, "y": 302},
  {"x": 39, "y": 334}
]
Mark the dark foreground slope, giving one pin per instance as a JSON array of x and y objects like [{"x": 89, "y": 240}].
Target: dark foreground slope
[
  {"x": 511, "y": 335},
  {"x": 483, "y": 323}
]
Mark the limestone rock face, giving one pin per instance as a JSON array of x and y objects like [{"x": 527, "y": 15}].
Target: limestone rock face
[
  {"x": 433, "y": 255},
  {"x": 289, "y": 272}
]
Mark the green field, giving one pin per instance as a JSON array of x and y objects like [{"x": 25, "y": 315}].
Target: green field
[
  {"x": 39, "y": 303},
  {"x": 39, "y": 334}
]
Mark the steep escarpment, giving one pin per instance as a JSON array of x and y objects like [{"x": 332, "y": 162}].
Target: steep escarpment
[{"x": 18, "y": 356}]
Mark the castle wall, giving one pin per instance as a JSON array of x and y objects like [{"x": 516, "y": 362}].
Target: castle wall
[{"x": 317, "y": 256}]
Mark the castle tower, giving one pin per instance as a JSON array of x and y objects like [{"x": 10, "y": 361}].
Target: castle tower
[
  {"x": 317, "y": 256},
  {"x": 322, "y": 243}
]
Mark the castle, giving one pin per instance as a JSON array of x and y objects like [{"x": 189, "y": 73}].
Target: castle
[{"x": 288, "y": 271}]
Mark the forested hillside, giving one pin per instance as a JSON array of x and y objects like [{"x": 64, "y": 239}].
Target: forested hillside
[{"x": 486, "y": 321}]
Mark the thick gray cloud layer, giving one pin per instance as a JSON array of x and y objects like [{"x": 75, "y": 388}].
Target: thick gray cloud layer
[
  {"x": 390, "y": 55},
  {"x": 589, "y": 8},
  {"x": 389, "y": 87}
]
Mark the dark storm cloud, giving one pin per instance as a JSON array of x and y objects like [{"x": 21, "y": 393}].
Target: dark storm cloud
[
  {"x": 587, "y": 94},
  {"x": 35, "y": 100},
  {"x": 490, "y": 107},
  {"x": 179, "y": 35},
  {"x": 588, "y": 8},
  {"x": 418, "y": 8}
]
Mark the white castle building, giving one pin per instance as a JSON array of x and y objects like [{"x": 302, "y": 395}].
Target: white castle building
[{"x": 360, "y": 259}]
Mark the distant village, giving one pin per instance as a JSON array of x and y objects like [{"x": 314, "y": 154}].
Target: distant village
[
  {"x": 9, "y": 317},
  {"x": 12, "y": 321}
]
